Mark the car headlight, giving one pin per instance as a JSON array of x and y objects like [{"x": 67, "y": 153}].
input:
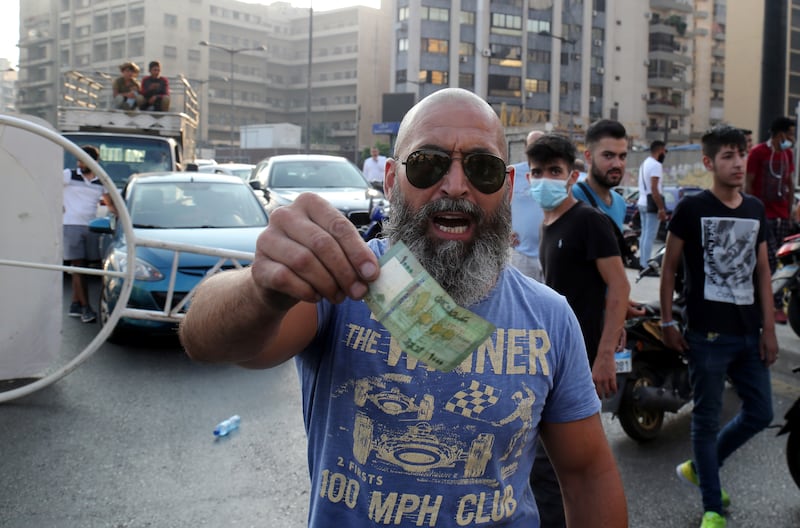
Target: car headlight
[{"x": 144, "y": 270}]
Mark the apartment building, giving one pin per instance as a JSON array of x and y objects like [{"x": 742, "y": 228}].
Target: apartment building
[
  {"x": 253, "y": 67},
  {"x": 657, "y": 66},
  {"x": 8, "y": 86}
]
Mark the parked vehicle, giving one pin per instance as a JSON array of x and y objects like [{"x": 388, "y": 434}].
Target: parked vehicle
[
  {"x": 787, "y": 279},
  {"x": 283, "y": 178},
  {"x": 672, "y": 195},
  {"x": 378, "y": 213},
  {"x": 651, "y": 378},
  {"x": 792, "y": 427},
  {"x": 210, "y": 210},
  {"x": 242, "y": 170}
]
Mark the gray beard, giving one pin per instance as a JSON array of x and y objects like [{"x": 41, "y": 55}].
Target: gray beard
[{"x": 466, "y": 270}]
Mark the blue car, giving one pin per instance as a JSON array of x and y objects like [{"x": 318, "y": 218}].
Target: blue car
[{"x": 209, "y": 210}]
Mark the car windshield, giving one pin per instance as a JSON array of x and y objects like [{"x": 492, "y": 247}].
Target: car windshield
[
  {"x": 187, "y": 205},
  {"x": 315, "y": 174},
  {"x": 122, "y": 156}
]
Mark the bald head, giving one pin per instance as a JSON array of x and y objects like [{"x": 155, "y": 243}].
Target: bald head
[
  {"x": 459, "y": 99},
  {"x": 533, "y": 135}
]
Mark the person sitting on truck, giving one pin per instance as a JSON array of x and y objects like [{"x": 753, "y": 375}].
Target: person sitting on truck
[
  {"x": 126, "y": 88},
  {"x": 155, "y": 89}
]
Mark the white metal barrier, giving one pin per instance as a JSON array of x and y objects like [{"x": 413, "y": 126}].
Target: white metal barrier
[{"x": 170, "y": 313}]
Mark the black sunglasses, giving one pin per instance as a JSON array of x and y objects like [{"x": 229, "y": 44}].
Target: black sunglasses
[{"x": 486, "y": 172}]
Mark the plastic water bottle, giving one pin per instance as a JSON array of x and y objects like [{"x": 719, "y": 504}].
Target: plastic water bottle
[{"x": 226, "y": 426}]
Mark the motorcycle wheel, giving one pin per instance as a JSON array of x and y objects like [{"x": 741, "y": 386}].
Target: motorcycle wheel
[
  {"x": 642, "y": 425},
  {"x": 793, "y": 455},
  {"x": 793, "y": 312}
]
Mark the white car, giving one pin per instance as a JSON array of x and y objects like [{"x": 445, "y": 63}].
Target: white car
[{"x": 242, "y": 170}]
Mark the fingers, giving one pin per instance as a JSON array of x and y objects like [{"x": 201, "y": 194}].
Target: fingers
[{"x": 311, "y": 251}]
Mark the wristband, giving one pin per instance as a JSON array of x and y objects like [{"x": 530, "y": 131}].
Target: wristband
[{"x": 669, "y": 323}]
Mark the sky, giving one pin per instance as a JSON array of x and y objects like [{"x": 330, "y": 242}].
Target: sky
[{"x": 9, "y": 21}]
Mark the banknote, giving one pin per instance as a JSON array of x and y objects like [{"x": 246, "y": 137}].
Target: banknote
[{"x": 420, "y": 315}]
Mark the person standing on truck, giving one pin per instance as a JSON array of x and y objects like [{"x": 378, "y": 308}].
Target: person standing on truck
[
  {"x": 155, "y": 89},
  {"x": 126, "y": 88},
  {"x": 82, "y": 192}
]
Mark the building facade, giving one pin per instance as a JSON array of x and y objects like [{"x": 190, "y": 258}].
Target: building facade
[
  {"x": 254, "y": 68},
  {"x": 562, "y": 64}
]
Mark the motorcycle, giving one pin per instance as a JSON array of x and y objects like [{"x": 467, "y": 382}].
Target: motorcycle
[
  {"x": 651, "y": 378},
  {"x": 378, "y": 212},
  {"x": 792, "y": 427},
  {"x": 787, "y": 279}
]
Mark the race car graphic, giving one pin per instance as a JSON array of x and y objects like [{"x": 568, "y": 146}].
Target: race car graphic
[{"x": 393, "y": 402}]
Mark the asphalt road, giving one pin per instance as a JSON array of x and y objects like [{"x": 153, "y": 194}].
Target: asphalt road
[{"x": 126, "y": 441}]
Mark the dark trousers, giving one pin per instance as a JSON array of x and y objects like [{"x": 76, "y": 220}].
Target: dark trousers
[{"x": 546, "y": 490}]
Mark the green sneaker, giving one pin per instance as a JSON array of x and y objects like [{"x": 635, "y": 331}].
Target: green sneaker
[
  {"x": 687, "y": 473},
  {"x": 713, "y": 520}
]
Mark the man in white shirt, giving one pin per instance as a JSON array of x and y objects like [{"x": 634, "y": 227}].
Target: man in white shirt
[
  {"x": 653, "y": 213},
  {"x": 374, "y": 168}
]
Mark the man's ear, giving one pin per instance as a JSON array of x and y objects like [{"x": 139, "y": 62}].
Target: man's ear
[
  {"x": 389, "y": 173},
  {"x": 708, "y": 163},
  {"x": 512, "y": 174},
  {"x": 573, "y": 177}
]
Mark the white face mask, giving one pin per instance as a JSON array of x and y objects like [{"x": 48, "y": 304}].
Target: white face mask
[{"x": 548, "y": 193}]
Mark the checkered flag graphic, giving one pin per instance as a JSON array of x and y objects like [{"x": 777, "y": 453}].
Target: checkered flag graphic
[{"x": 471, "y": 402}]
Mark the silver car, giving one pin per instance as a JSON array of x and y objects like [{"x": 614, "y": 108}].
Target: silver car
[{"x": 334, "y": 178}]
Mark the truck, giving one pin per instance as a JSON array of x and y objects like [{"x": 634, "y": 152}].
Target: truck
[{"x": 129, "y": 141}]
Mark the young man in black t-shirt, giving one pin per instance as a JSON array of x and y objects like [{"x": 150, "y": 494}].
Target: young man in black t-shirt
[
  {"x": 581, "y": 260},
  {"x": 721, "y": 233}
]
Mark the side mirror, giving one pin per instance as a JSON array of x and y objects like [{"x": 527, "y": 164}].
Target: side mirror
[
  {"x": 101, "y": 225},
  {"x": 256, "y": 185}
]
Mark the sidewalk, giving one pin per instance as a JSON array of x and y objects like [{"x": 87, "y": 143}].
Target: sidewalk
[{"x": 788, "y": 342}]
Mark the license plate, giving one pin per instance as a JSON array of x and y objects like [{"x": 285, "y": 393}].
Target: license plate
[{"x": 623, "y": 361}]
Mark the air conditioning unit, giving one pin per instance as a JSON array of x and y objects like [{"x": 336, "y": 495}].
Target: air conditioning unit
[
  {"x": 594, "y": 13},
  {"x": 647, "y": 62},
  {"x": 647, "y": 15},
  {"x": 486, "y": 52},
  {"x": 463, "y": 58},
  {"x": 593, "y": 99},
  {"x": 601, "y": 70},
  {"x": 598, "y": 42}
]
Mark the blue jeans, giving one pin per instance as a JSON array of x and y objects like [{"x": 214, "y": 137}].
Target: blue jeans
[
  {"x": 711, "y": 358},
  {"x": 650, "y": 223}
]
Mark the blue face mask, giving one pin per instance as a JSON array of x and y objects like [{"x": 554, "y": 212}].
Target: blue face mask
[
  {"x": 786, "y": 144},
  {"x": 548, "y": 193}
]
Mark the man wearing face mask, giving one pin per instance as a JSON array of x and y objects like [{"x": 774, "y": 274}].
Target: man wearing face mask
[
  {"x": 581, "y": 260},
  {"x": 770, "y": 167}
]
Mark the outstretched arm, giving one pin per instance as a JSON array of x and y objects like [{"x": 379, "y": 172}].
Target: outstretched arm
[
  {"x": 590, "y": 482},
  {"x": 263, "y": 315},
  {"x": 618, "y": 290}
]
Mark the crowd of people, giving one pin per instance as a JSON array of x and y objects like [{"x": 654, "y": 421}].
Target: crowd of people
[
  {"x": 152, "y": 94},
  {"x": 539, "y": 255}
]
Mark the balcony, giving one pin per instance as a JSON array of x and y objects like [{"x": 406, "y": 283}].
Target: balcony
[
  {"x": 670, "y": 5},
  {"x": 659, "y": 81},
  {"x": 665, "y": 107},
  {"x": 669, "y": 56},
  {"x": 674, "y": 135}
]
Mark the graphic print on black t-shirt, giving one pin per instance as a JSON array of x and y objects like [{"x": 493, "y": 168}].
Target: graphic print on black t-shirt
[{"x": 729, "y": 259}]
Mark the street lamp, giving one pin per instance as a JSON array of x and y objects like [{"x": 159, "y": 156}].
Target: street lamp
[
  {"x": 571, "y": 43},
  {"x": 232, "y": 52}
]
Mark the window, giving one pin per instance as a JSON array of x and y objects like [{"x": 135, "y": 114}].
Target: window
[
  {"x": 435, "y": 13},
  {"x": 83, "y": 31},
  {"x": 537, "y": 86},
  {"x": 402, "y": 44},
  {"x": 401, "y": 76},
  {"x": 100, "y": 51},
  {"x": 402, "y": 14},
  {"x": 118, "y": 20},
  {"x": 170, "y": 51},
  {"x": 430, "y": 45},
  {"x": 433, "y": 77},
  {"x": 136, "y": 46},
  {"x": 466, "y": 49},
  {"x": 101, "y": 23},
  {"x": 504, "y": 86},
  {"x": 195, "y": 24},
  {"x": 538, "y": 56},
  {"x": 193, "y": 55},
  {"x": 504, "y": 55},
  {"x": 170, "y": 21},
  {"x": 467, "y": 18},
  {"x": 64, "y": 30},
  {"x": 537, "y": 26},
  {"x": 505, "y": 23},
  {"x": 466, "y": 81},
  {"x": 117, "y": 49},
  {"x": 137, "y": 16}
]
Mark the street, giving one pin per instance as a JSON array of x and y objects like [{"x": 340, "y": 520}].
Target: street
[{"x": 126, "y": 441}]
